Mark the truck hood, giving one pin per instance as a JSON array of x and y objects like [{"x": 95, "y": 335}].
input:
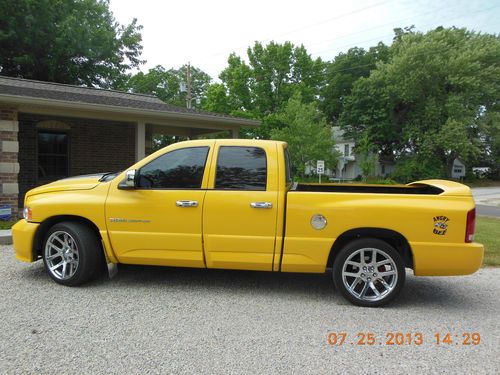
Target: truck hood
[{"x": 85, "y": 182}]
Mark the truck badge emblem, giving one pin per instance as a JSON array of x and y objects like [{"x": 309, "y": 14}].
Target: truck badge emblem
[{"x": 440, "y": 225}]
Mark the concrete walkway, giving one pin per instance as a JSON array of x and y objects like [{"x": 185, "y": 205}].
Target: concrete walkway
[{"x": 5, "y": 237}]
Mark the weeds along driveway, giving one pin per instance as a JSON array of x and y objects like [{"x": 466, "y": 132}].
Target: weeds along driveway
[{"x": 168, "y": 320}]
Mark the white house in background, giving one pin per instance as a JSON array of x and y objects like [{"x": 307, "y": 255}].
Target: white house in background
[
  {"x": 348, "y": 163},
  {"x": 348, "y": 166},
  {"x": 458, "y": 169}
]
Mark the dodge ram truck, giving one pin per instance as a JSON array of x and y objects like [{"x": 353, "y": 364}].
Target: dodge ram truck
[{"x": 232, "y": 204}]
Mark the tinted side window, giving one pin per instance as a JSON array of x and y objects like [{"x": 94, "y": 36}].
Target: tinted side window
[
  {"x": 241, "y": 168},
  {"x": 178, "y": 169}
]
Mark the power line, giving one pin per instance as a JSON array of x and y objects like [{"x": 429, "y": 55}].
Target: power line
[
  {"x": 333, "y": 18},
  {"x": 358, "y": 32},
  {"x": 342, "y": 36},
  {"x": 388, "y": 35},
  {"x": 305, "y": 27}
]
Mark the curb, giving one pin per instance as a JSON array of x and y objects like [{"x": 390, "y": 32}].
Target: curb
[{"x": 6, "y": 237}]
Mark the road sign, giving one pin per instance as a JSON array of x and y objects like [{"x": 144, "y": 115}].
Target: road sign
[{"x": 320, "y": 166}]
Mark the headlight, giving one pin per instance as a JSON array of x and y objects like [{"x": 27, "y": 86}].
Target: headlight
[{"x": 27, "y": 213}]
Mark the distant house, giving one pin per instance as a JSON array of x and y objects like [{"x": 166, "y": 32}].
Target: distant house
[
  {"x": 348, "y": 164},
  {"x": 458, "y": 169}
]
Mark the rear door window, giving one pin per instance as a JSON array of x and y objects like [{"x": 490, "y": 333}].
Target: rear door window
[{"x": 241, "y": 168}]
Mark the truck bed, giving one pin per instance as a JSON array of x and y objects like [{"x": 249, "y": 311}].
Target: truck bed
[{"x": 368, "y": 189}]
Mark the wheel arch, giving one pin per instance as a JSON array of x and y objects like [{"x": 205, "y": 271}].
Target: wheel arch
[
  {"x": 393, "y": 238},
  {"x": 50, "y": 222}
]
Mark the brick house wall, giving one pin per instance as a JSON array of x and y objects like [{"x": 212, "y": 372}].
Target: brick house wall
[
  {"x": 9, "y": 166},
  {"x": 94, "y": 146}
]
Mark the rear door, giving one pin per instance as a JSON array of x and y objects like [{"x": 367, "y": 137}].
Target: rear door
[{"x": 241, "y": 205}]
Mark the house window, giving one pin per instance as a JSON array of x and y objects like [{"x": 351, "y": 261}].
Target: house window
[
  {"x": 52, "y": 154},
  {"x": 457, "y": 170},
  {"x": 346, "y": 150}
]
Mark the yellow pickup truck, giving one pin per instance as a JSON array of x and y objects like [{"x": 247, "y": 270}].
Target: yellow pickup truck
[{"x": 233, "y": 204}]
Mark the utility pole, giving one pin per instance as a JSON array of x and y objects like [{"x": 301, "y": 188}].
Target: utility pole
[{"x": 189, "y": 97}]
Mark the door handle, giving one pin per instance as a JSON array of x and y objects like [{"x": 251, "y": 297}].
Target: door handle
[
  {"x": 186, "y": 203},
  {"x": 261, "y": 205}
]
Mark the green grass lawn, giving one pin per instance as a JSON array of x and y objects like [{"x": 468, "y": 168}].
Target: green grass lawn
[
  {"x": 488, "y": 233},
  {"x": 7, "y": 224}
]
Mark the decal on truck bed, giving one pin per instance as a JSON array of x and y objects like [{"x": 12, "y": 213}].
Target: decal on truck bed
[{"x": 440, "y": 225}]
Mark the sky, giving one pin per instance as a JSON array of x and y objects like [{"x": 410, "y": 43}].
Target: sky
[{"x": 204, "y": 33}]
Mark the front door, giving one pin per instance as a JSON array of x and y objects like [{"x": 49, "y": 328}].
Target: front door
[
  {"x": 240, "y": 211},
  {"x": 160, "y": 221}
]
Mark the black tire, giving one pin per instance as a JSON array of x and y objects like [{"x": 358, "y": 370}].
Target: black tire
[
  {"x": 84, "y": 263},
  {"x": 369, "y": 274}
]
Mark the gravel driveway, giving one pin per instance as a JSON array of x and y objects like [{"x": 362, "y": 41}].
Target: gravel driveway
[{"x": 166, "y": 320}]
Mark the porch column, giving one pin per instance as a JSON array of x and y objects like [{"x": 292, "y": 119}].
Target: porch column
[
  {"x": 235, "y": 133},
  {"x": 149, "y": 139},
  {"x": 9, "y": 162},
  {"x": 140, "y": 141}
]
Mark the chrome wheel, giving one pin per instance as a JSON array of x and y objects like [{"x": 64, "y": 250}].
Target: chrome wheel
[
  {"x": 369, "y": 274},
  {"x": 61, "y": 255}
]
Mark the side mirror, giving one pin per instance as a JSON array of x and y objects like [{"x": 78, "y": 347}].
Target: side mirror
[{"x": 130, "y": 180}]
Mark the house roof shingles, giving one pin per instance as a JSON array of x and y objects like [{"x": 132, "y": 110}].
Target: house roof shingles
[{"x": 88, "y": 95}]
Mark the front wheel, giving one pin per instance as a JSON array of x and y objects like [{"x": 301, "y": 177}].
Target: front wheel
[
  {"x": 369, "y": 272},
  {"x": 71, "y": 253}
]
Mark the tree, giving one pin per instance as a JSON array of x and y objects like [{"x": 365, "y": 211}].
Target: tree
[
  {"x": 67, "y": 41},
  {"x": 167, "y": 84},
  {"x": 343, "y": 71},
  {"x": 261, "y": 88},
  {"x": 367, "y": 157},
  {"x": 425, "y": 105},
  {"x": 307, "y": 133},
  {"x": 216, "y": 99},
  {"x": 489, "y": 128}
]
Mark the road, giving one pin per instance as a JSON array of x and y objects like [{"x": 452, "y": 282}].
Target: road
[
  {"x": 152, "y": 320},
  {"x": 488, "y": 210},
  {"x": 487, "y": 200}
]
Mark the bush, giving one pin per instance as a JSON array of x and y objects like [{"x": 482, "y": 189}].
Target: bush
[
  {"x": 414, "y": 168},
  {"x": 380, "y": 181}
]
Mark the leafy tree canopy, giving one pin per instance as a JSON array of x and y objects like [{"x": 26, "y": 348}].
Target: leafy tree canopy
[
  {"x": 67, "y": 41},
  {"x": 170, "y": 85},
  {"x": 343, "y": 71},
  {"x": 307, "y": 133},
  {"x": 262, "y": 87},
  {"x": 428, "y": 102}
]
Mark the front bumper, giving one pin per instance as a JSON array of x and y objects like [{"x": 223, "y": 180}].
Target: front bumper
[
  {"x": 23, "y": 235},
  {"x": 432, "y": 259}
]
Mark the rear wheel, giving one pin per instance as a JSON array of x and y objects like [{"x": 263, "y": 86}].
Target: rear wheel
[
  {"x": 369, "y": 272},
  {"x": 71, "y": 253}
]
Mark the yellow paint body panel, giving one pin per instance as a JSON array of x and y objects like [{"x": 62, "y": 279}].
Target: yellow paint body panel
[
  {"x": 237, "y": 236},
  {"x": 23, "y": 234},
  {"x": 447, "y": 259},
  {"x": 145, "y": 226},
  {"x": 307, "y": 249}
]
